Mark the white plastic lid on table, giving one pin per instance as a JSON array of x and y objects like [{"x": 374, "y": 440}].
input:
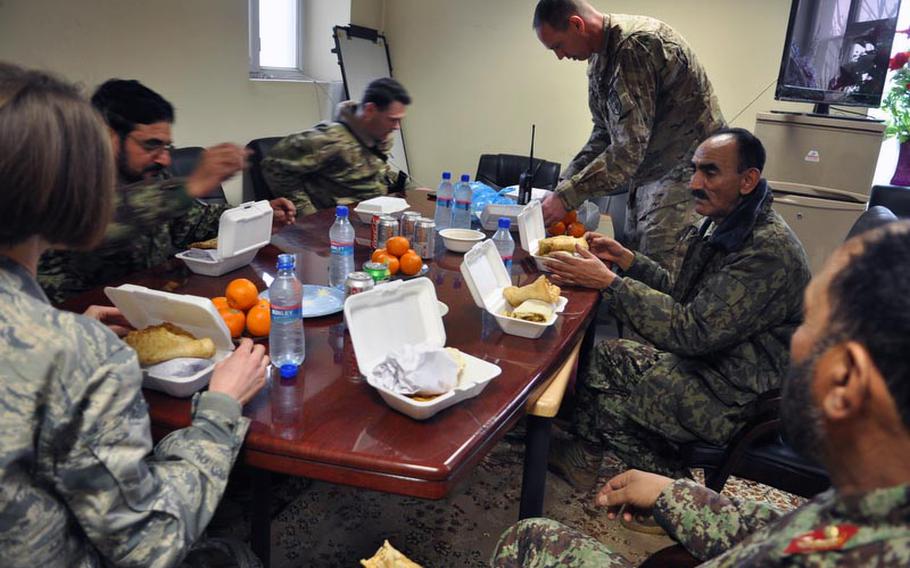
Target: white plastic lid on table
[
  {"x": 144, "y": 307},
  {"x": 242, "y": 231},
  {"x": 413, "y": 306},
  {"x": 531, "y": 230},
  {"x": 492, "y": 212},
  {"x": 537, "y": 193},
  {"x": 487, "y": 277},
  {"x": 382, "y": 205}
]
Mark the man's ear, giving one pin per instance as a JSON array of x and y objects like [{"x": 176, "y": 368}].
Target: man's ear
[
  {"x": 368, "y": 109},
  {"x": 749, "y": 181},
  {"x": 577, "y": 23},
  {"x": 844, "y": 377},
  {"x": 115, "y": 140}
]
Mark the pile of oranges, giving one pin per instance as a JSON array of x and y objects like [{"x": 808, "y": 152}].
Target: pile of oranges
[
  {"x": 569, "y": 225},
  {"x": 242, "y": 309},
  {"x": 399, "y": 256}
]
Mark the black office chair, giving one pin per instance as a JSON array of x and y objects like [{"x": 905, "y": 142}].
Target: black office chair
[
  {"x": 894, "y": 197},
  {"x": 502, "y": 170},
  {"x": 260, "y": 148},
  {"x": 184, "y": 161}
]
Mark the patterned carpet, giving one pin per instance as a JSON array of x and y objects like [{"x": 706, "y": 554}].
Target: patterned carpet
[{"x": 325, "y": 525}]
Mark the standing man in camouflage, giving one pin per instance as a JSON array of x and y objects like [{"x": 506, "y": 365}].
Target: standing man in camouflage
[
  {"x": 846, "y": 403},
  {"x": 651, "y": 103},
  {"x": 155, "y": 216},
  {"x": 342, "y": 162},
  {"x": 718, "y": 333}
]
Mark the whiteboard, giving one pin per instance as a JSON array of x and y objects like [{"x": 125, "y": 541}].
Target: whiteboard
[{"x": 364, "y": 56}]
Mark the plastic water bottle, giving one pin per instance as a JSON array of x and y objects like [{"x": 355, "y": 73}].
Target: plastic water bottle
[
  {"x": 444, "y": 193},
  {"x": 504, "y": 242},
  {"x": 287, "y": 347},
  {"x": 461, "y": 211},
  {"x": 341, "y": 237}
]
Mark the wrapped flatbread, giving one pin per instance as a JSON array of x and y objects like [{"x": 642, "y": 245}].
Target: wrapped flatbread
[
  {"x": 533, "y": 310},
  {"x": 164, "y": 342},
  {"x": 388, "y": 557},
  {"x": 541, "y": 289},
  {"x": 560, "y": 243},
  {"x": 206, "y": 245}
]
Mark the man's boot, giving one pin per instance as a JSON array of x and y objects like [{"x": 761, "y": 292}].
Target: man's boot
[{"x": 575, "y": 461}]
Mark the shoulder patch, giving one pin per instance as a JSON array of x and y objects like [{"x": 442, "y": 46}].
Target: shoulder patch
[{"x": 614, "y": 102}]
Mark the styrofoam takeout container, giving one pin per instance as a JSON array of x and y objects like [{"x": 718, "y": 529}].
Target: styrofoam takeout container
[
  {"x": 487, "y": 277},
  {"x": 382, "y": 205},
  {"x": 242, "y": 231},
  {"x": 412, "y": 305},
  {"x": 492, "y": 212},
  {"x": 530, "y": 232},
  {"x": 143, "y": 307},
  {"x": 537, "y": 193}
]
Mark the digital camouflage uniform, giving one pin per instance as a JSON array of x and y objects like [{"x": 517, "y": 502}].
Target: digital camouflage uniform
[
  {"x": 333, "y": 163},
  {"x": 652, "y": 105},
  {"x": 719, "y": 335},
  {"x": 725, "y": 532},
  {"x": 153, "y": 220},
  {"x": 80, "y": 483}
]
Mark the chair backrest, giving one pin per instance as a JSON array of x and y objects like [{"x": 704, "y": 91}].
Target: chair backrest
[
  {"x": 875, "y": 216},
  {"x": 260, "y": 148},
  {"x": 501, "y": 170},
  {"x": 894, "y": 197},
  {"x": 184, "y": 161}
]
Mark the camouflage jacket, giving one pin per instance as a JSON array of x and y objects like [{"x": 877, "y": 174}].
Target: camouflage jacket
[
  {"x": 331, "y": 164},
  {"x": 733, "y": 532},
  {"x": 80, "y": 483},
  {"x": 153, "y": 220},
  {"x": 652, "y": 105},
  {"x": 727, "y": 318}
]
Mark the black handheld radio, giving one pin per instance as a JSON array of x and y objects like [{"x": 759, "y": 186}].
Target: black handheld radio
[{"x": 526, "y": 179}]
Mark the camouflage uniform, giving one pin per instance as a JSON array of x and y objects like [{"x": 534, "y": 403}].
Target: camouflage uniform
[
  {"x": 331, "y": 164},
  {"x": 651, "y": 104},
  {"x": 719, "y": 335},
  {"x": 80, "y": 483},
  {"x": 726, "y": 532},
  {"x": 153, "y": 220}
]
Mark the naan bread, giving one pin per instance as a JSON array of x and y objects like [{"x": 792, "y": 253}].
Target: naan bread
[
  {"x": 541, "y": 289},
  {"x": 164, "y": 342},
  {"x": 455, "y": 354},
  {"x": 209, "y": 244},
  {"x": 560, "y": 243},
  {"x": 388, "y": 557},
  {"x": 533, "y": 310}
]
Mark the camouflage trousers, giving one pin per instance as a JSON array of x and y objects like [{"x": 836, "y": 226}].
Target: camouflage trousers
[
  {"x": 542, "y": 543},
  {"x": 641, "y": 404},
  {"x": 656, "y": 216}
]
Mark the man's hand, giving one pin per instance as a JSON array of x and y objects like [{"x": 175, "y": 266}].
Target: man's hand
[
  {"x": 111, "y": 317},
  {"x": 587, "y": 271},
  {"x": 217, "y": 164},
  {"x": 284, "y": 213},
  {"x": 553, "y": 209},
  {"x": 609, "y": 250},
  {"x": 638, "y": 489},
  {"x": 242, "y": 374}
]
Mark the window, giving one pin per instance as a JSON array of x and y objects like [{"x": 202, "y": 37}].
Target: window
[{"x": 276, "y": 39}]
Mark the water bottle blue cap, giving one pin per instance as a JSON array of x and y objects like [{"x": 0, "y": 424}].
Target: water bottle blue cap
[
  {"x": 446, "y": 175},
  {"x": 341, "y": 211},
  {"x": 286, "y": 261},
  {"x": 504, "y": 223},
  {"x": 465, "y": 177},
  {"x": 288, "y": 371}
]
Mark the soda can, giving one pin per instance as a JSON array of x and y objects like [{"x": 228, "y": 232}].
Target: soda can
[
  {"x": 388, "y": 228},
  {"x": 378, "y": 271},
  {"x": 406, "y": 226},
  {"x": 357, "y": 282},
  {"x": 424, "y": 241},
  {"x": 374, "y": 231}
]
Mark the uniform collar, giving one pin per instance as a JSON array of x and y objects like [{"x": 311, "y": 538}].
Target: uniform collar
[
  {"x": 21, "y": 279},
  {"x": 891, "y": 504}
]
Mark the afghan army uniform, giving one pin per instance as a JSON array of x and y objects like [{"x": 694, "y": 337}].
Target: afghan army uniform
[
  {"x": 871, "y": 529},
  {"x": 652, "y": 105},
  {"x": 719, "y": 335},
  {"x": 80, "y": 483},
  {"x": 332, "y": 164},
  {"x": 153, "y": 220}
]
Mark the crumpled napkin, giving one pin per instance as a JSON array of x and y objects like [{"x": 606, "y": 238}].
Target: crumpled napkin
[{"x": 416, "y": 369}]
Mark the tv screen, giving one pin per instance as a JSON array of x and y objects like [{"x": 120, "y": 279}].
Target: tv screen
[{"x": 837, "y": 51}]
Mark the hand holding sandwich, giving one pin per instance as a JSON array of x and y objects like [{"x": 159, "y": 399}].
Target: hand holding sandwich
[{"x": 242, "y": 374}]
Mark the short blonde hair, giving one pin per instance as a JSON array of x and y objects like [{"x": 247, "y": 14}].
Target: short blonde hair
[{"x": 56, "y": 162}]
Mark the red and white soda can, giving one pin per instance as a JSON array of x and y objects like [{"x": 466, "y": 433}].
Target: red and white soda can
[{"x": 374, "y": 231}]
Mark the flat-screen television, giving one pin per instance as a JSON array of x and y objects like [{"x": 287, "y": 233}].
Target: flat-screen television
[{"x": 837, "y": 51}]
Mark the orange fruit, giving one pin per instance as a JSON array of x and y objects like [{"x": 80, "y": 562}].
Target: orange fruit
[
  {"x": 411, "y": 263},
  {"x": 577, "y": 230},
  {"x": 241, "y": 294},
  {"x": 557, "y": 228},
  {"x": 393, "y": 263},
  {"x": 411, "y": 251},
  {"x": 571, "y": 217},
  {"x": 397, "y": 246},
  {"x": 235, "y": 320},
  {"x": 259, "y": 320},
  {"x": 376, "y": 254},
  {"x": 221, "y": 303}
]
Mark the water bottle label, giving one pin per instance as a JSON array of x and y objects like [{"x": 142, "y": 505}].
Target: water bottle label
[
  {"x": 443, "y": 202},
  {"x": 507, "y": 259},
  {"x": 462, "y": 205},
  {"x": 289, "y": 314},
  {"x": 343, "y": 249}
]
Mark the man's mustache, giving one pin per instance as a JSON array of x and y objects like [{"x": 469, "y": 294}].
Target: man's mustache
[{"x": 699, "y": 194}]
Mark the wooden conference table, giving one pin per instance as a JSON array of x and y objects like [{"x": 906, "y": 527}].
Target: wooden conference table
[{"x": 328, "y": 423}]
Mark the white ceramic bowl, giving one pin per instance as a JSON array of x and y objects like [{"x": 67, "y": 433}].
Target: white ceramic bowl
[{"x": 460, "y": 240}]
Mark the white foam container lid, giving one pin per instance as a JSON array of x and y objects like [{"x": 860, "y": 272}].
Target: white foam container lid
[
  {"x": 531, "y": 230},
  {"x": 487, "y": 277},
  {"x": 492, "y": 212},
  {"x": 382, "y": 205},
  {"x": 412, "y": 305},
  {"x": 143, "y": 307},
  {"x": 537, "y": 193},
  {"x": 242, "y": 231}
]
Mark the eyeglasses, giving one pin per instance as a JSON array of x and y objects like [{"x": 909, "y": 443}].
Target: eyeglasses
[{"x": 153, "y": 146}]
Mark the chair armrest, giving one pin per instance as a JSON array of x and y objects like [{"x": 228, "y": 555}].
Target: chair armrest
[{"x": 547, "y": 398}]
